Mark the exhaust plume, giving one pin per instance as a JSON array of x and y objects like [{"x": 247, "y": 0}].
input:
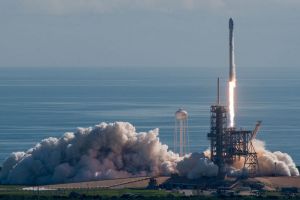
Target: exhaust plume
[
  {"x": 274, "y": 163},
  {"x": 106, "y": 151},
  {"x": 196, "y": 165},
  {"x": 270, "y": 163},
  {"x": 231, "y": 106}
]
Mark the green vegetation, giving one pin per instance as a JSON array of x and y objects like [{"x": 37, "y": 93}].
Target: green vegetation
[{"x": 16, "y": 193}]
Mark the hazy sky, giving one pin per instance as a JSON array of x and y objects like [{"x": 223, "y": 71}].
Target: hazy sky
[{"x": 148, "y": 33}]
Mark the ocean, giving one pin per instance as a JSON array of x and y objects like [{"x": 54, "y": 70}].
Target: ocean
[{"x": 37, "y": 103}]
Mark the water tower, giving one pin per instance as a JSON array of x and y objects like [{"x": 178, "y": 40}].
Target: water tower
[{"x": 181, "y": 139}]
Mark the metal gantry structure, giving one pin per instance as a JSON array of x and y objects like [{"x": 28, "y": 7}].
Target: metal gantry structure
[
  {"x": 218, "y": 126},
  {"x": 228, "y": 145}
]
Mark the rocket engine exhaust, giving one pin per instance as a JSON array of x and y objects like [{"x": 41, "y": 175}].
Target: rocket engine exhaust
[{"x": 232, "y": 76}]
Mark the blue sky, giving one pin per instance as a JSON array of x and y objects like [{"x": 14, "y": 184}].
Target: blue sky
[{"x": 148, "y": 33}]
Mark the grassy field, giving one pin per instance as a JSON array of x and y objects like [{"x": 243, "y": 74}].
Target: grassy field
[{"x": 16, "y": 193}]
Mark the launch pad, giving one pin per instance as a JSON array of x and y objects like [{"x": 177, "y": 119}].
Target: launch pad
[{"x": 229, "y": 145}]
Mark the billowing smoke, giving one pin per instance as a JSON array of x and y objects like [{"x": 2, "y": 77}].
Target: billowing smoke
[
  {"x": 196, "y": 165},
  {"x": 116, "y": 150},
  {"x": 269, "y": 163},
  {"x": 274, "y": 163},
  {"x": 105, "y": 151}
]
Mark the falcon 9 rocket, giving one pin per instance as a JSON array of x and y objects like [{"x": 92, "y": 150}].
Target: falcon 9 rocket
[{"x": 232, "y": 76}]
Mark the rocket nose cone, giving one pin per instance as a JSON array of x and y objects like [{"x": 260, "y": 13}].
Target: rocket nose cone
[{"x": 230, "y": 23}]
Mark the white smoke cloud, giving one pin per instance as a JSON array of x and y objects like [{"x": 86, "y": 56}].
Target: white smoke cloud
[
  {"x": 269, "y": 163},
  {"x": 104, "y": 152},
  {"x": 274, "y": 163},
  {"x": 196, "y": 165}
]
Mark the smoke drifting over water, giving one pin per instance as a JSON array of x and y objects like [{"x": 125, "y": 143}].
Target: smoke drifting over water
[
  {"x": 106, "y": 151},
  {"x": 116, "y": 150}
]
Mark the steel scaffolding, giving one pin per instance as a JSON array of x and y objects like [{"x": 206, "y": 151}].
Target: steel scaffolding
[{"x": 229, "y": 145}]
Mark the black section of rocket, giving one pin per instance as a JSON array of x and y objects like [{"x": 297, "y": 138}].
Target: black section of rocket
[{"x": 231, "y": 53}]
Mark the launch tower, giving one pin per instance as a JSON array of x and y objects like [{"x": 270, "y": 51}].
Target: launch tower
[
  {"x": 217, "y": 135},
  {"x": 227, "y": 144}
]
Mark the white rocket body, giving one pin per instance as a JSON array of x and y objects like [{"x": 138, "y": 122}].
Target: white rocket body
[{"x": 232, "y": 74}]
